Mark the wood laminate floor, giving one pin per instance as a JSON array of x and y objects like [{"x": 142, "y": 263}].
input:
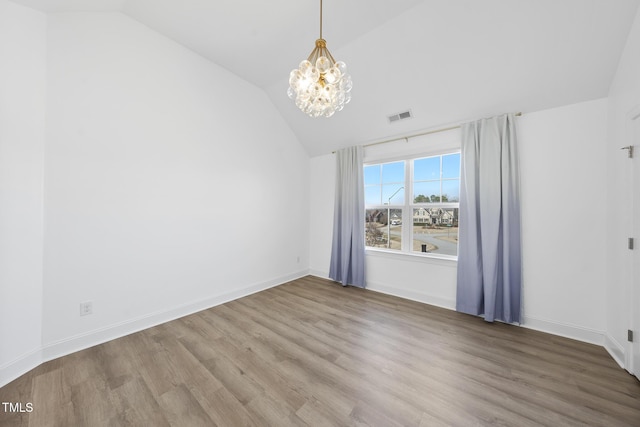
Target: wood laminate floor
[{"x": 311, "y": 352}]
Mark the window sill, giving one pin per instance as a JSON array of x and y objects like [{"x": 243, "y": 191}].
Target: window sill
[{"x": 412, "y": 256}]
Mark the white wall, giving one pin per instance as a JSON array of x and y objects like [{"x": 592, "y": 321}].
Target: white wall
[
  {"x": 22, "y": 128},
  {"x": 563, "y": 173},
  {"x": 171, "y": 184},
  {"x": 563, "y": 185},
  {"x": 322, "y": 171},
  {"x": 624, "y": 96}
]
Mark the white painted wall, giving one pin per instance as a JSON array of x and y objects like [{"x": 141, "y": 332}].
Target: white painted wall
[
  {"x": 22, "y": 129},
  {"x": 562, "y": 155},
  {"x": 171, "y": 184},
  {"x": 322, "y": 174},
  {"x": 624, "y": 96},
  {"x": 563, "y": 185}
]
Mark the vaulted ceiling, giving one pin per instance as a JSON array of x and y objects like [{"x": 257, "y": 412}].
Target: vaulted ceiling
[{"x": 445, "y": 60}]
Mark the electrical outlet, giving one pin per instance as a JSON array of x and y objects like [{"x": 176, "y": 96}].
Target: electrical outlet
[
  {"x": 298, "y": 260},
  {"x": 86, "y": 308}
]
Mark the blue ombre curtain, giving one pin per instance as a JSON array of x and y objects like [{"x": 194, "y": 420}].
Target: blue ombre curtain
[
  {"x": 347, "y": 251},
  {"x": 489, "y": 254}
]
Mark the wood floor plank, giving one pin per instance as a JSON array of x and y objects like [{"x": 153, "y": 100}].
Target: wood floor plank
[
  {"x": 233, "y": 378},
  {"x": 265, "y": 375},
  {"x": 183, "y": 409},
  {"x": 51, "y": 401},
  {"x": 313, "y": 353},
  {"x": 268, "y": 411},
  {"x": 135, "y": 405},
  {"x": 222, "y": 407}
]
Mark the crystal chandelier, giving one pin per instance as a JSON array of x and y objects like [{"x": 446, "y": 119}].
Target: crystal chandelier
[{"x": 320, "y": 85}]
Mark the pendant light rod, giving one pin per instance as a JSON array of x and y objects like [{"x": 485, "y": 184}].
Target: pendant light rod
[{"x": 320, "y": 18}]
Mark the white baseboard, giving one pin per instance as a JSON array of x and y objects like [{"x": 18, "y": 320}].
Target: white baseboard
[
  {"x": 14, "y": 369},
  {"x": 319, "y": 273},
  {"x": 578, "y": 333},
  {"x": 616, "y": 350},
  {"x": 50, "y": 351},
  {"x": 412, "y": 295},
  {"x": 399, "y": 292}
]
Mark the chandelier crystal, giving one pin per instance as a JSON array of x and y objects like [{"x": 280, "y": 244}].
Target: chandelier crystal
[{"x": 320, "y": 86}]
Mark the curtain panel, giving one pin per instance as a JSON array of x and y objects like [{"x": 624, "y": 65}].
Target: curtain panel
[
  {"x": 489, "y": 254},
  {"x": 347, "y": 251}
]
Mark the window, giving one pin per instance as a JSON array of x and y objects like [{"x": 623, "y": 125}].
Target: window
[
  {"x": 383, "y": 187},
  {"x": 412, "y": 205}
]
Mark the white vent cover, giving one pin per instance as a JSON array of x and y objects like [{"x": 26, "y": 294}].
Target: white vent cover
[{"x": 400, "y": 116}]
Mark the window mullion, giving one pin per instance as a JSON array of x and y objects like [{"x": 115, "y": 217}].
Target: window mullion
[
  {"x": 381, "y": 185},
  {"x": 407, "y": 219},
  {"x": 440, "y": 179}
]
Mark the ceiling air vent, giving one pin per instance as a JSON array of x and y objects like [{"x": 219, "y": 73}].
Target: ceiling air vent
[{"x": 400, "y": 116}]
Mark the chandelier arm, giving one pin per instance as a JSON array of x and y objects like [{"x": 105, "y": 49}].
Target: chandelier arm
[
  {"x": 313, "y": 56},
  {"x": 333, "y": 61}
]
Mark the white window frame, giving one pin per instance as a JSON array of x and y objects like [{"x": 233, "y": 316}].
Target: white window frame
[{"x": 408, "y": 206}]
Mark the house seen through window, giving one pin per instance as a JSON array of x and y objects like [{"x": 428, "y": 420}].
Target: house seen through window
[{"x": 412, "y": 205}]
